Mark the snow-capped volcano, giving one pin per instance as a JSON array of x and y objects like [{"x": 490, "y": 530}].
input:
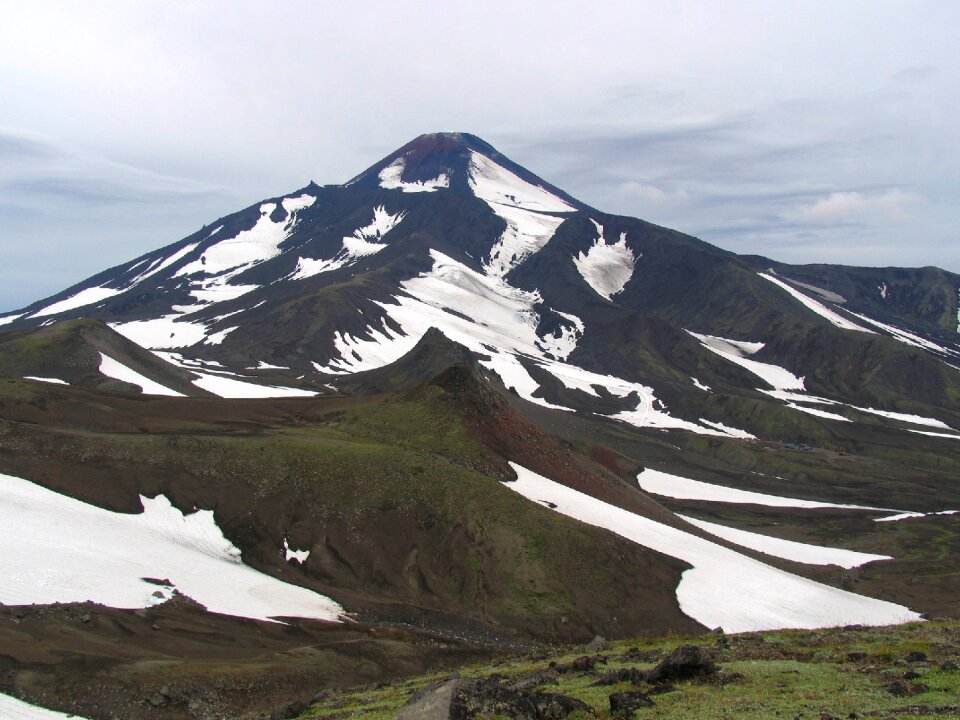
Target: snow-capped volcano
[{"x": 571, "y": 308}]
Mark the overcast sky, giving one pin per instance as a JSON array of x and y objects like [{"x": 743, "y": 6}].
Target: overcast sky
[{"x": 805, "y": 131}]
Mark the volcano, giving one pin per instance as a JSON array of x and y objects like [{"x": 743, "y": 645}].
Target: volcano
[{"x": 446, "y": 399}]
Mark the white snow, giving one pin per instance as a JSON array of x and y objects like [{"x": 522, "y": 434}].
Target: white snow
[
  {"x": 564, "y": 342},
  {"x": 736, "y": 350},
  {"x": 905, "y": 417},
  {"x": 229, "y": 388},
  {"x": 724, "y": 588},
  {"x": 700, "y": 385},
  {"x": 167, "y": 331},
  {"x": 883, "y": 290},
  {"x": 818, "y": 413},
  {"x": 55, "y": 381},
  {"x": 218, "y": 337},
  {"x": 817, "y": 307},
  {"x": 87, "y": 296},
  {"x": 495, "y": 184},
  {"x": 495, "y": 320},
  {"x": 934, "y": 434},
  {"x": 6, "y": 320},
  {"x": 160, "y": 265},
  {"x": 223, "y": 261},
  {"x": 299, "y": 555},
  {"x": 606, "y": 266},
  {"x": 907, "y": 337},
  {"x": 13, "y": 709},
  {"x": 727, "y": 430},
  {"x": 261, "y": 365},
  {"x": 798, "y": 397},
  {"x": 363, "y": 242},
  {"x": 787, "y": 549},
  {"x": 526, "y": 233},
  {"x": 913, "y": 515},
  {"x": 116, "y": 370},
  {"x": 681, "y": 488},
  {"x": 108, "y": 554},
  {"x": 390, "y": 179}
]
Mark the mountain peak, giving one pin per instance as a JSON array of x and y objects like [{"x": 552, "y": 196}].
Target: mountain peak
[{"x": 455, "y": 161}]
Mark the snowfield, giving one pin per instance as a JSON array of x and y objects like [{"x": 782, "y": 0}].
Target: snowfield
[
  {"x": 681, "y": 488},
  {"x": 390, "y": 179},
  {"x": 724, "y": 588},
  {"x": 737, "y": 352},
  {"x": 787, "y": 549},
  {"x": 57, "y": 549},
  {"x": 13, "y": 709},
  {"x": 364, "y": 241},
  {"x": 819, "y": 308},
  {"x": 606, "y": 266},
  {"x": 116, "y": 370}
]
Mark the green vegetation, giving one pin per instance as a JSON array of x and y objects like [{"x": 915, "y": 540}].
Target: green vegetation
[{"x": 838, "y": 673}]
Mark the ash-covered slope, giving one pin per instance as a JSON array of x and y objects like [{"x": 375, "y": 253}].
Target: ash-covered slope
[{"x": 572, "y": 308}]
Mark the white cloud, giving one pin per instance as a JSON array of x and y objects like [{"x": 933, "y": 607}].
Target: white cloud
[
  {"x": 858, "y": 208},
  {"x": 650, "y": 193}
]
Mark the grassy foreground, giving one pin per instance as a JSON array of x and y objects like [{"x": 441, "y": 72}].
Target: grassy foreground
[{"x": 894, "y": 672}]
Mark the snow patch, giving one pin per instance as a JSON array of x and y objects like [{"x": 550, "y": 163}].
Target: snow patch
[
  {"x": 817, "y": 307},
  {"x": 882, "y": 287},
  {"x": 907, "y": 337},
  {"x": 736, "y": 350},
  {"x": 9, "y": 319},
  {"x": 564, "y": 341},
  {"x": 700, "y": 385},
  {"x": 299, "y": 555},
  {"x": 762, "y": 598},
  {"x": 13, "y": 709},
  {"x": 495, "y": 184},
  {"x": 391, "y": 174},
  {"x": 364, "y": 241},
  {"x": 727, "y": 430},
  {"x": 787, "y": 549},
  {"x": 55, "y": 381},
  {"x": 681, "y": 488},
  {"x": 218, "y": 337},
  {"x": 606, "y": 266},
  {"x": 934, "y": 434},
  {"x": 818, "y": 413},
  {"x": 905, "y": 417},
  {"x": 229, "y": 388},
  {"x": 118, "y": 371},
  {"x": 913, "y": 515},
  {"x": 167, "y": 331},
  {"x": 110, "y": 553},
  {"x": 85, "y": 297},
  {"x": 527, "y": 232}
]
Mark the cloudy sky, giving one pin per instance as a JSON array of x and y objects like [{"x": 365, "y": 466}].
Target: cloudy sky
[{"x": 805, "y": 131}]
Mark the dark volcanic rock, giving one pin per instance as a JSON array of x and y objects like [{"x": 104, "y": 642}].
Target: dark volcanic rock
[
  {"x": 491, "y": 697},
  {"x": 633, "y": 675},
  {"x": 685, "y": 663},
  {"x": 626, "y": 702}
]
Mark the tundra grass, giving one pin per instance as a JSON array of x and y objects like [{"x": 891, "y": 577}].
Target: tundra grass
[{"x": 838, "y": 673}]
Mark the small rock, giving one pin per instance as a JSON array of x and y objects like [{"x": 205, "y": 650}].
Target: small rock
[
  {"x": 856, "y": 656},
  {"x": 157, "y": 700},
  {"x": 598, "y": 644},
  {"x": 85, "y": 618},
  {"x": 910, "y": 675},
  {"x": 949, "y": 666},
  {"x": 916, "y": 657},
  {"x": 290, "y": 710},
  {"x": 898, "y": 688},
  {"x": 585, "y": 663},
  {"x": 627, "y": 702},
  {"x": 633, "y": 675}
]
